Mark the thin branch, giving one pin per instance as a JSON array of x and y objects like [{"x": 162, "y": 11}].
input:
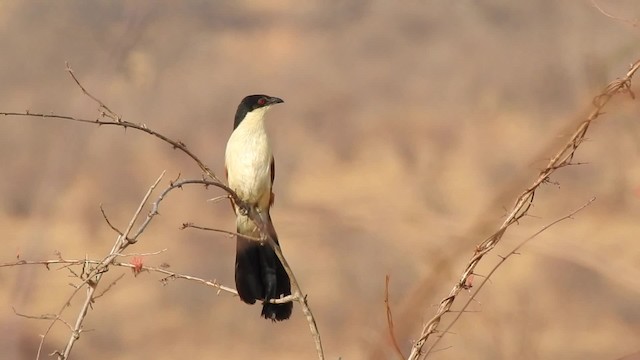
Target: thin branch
[
  {"x": 104, "y": 107},
  {"x": 226, "y": 232},
  {"x": 125, "y": 124},
  {"x": 218, "y": 198},
  {"x": 392, "y": 336},
  {"x": 524, "y": 202},
  {"x": 595, "y": 4},
  {"x": 125, "y": 240},
  {"x": 296, "y": 291},
  {"x": 112, "y": 284},
  {"x": 92, "y": 281},
  {"x": 160, "y": 270},
  {"x": 487, "y": 278},
  {"x": 43, "y": 317},
  {"x": 143, "y": 254},
  {"x": 115, "y": 120},
  {"x": 106, "y": 218}
]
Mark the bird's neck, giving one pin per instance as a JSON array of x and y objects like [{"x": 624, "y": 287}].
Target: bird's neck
[{"x": 253, "y": 122}]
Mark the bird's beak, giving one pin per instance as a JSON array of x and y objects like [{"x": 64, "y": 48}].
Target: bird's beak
[{"x": 274, "y": 100}]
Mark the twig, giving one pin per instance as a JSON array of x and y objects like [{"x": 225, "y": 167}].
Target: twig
[
  {"x": 563, "y": 157},
  {"x": 159, "y": 270},
  {"x": 218, "y": 198},
  {"x": 104, "y": 107},
  {"x": 124, "y": 240},
  {"x": 230, "y": 233},
  {"x": 296, "y": 291},
  {"x": 43, "y": 317},
  {"x": 106, "y": 218},
  {"x": 112, "y": 284},
  {"x": 143, "y": 254},
  {"x": 595, "y": 4},
  {"x": 120, "y": 244},
  {"x": 493, "y": 270},
  {"x": 116, "y": 120},
  {"x": 392, "y": 336},
  {"x": 125, "y": 124}
]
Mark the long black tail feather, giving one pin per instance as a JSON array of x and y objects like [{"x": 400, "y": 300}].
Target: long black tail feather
[{"x": 260, "y": 276}]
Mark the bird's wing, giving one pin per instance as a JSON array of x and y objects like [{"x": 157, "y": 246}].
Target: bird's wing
[{"x": 273, "y": 176}]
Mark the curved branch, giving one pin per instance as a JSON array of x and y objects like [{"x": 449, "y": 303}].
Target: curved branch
[
  {"x": 562, "y": 158},
  {"x": 125, "y": 124},
  {"x": 110, "y": 118},
  {"x": 502, "y": 260}
]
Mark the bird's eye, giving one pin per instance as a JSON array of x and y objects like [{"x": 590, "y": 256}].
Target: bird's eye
[{"x": 262, "y": 101}]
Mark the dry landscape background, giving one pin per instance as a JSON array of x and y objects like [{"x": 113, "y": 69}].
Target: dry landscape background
[{"x": 407, "y": 129}]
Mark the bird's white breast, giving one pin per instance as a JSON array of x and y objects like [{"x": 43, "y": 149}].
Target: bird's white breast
[{"x": 248, "y": 160}]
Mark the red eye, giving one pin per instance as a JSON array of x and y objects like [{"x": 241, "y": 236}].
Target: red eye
[{"x": 262, "y": 101}]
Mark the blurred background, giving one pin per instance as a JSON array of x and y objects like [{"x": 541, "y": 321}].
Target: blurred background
[{"x": 407, "y": 131}]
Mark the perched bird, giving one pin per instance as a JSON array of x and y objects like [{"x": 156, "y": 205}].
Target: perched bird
[{"x": 250, "y": 172}]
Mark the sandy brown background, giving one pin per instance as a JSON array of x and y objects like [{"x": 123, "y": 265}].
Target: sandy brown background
[{"x": 408, "y": 128}]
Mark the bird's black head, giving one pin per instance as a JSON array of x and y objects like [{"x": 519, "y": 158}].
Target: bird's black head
[{"x": 253, "y": 102}]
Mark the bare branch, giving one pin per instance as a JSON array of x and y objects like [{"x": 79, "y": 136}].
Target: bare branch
[
  {"x": 524, "y": 202},
  {"x": 392, "y": 336},
  {"x": 125, "y": 234},
  {"x": 143, "y": 254},
  {"x": 595, "y": 4},
  {"x": 230, "y": 233},
  {"x": 218, "y": 198},
  {"x": 108, "y": 117},
  {"x": 43, "y": 317},
  {"x": 104, "y": 215},
  {"x": 502, "y": 260},
  {"x": 103, "y": 107},
  {"x": 112, "y": 284},
  {"x": 296, "y": 291},
  {"x": 93, "y": 279},
  {"x": 125, "y": 124},
  {"x": 159, "y": 270},
  {"x": 257, "y": 218}
]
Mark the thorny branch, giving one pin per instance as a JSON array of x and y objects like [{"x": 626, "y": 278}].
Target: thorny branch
[
  {"x": 390, "y": 326},
  {"x": 162, "y": 269},
  {"x": 121, "y": 243},
  {"x": 168, "y": 275},
  {"x": 595, "y": 4},
  {"x": 229, "y": 233},
  {"x": 522, "y": 204},
  {"x": 109, "y": 117},
  {"x": 493, "y": 270}
]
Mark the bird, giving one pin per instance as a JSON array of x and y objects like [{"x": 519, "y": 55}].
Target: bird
[{"x": 250, "y": 170}]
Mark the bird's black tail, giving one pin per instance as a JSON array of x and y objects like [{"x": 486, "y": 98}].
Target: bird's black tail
[{"x": 261, "y": 276}]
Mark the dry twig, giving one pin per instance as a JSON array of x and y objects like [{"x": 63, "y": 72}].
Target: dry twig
[
  {"x": 160, "y": 270},
  {"x": 595, "y": 4},
  {"x": 109, "y": 117},
  {"x": 493, "y": 270},
  {"x": 523, "y": 203},
  {"x": 92, "y": 281},
  {"x": 226, "y": 232},
  {"x": 387, "y": 306}
]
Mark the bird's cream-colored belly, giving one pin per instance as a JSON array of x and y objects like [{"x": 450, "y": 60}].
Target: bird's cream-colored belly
[{"x": 248, "y": 162}]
